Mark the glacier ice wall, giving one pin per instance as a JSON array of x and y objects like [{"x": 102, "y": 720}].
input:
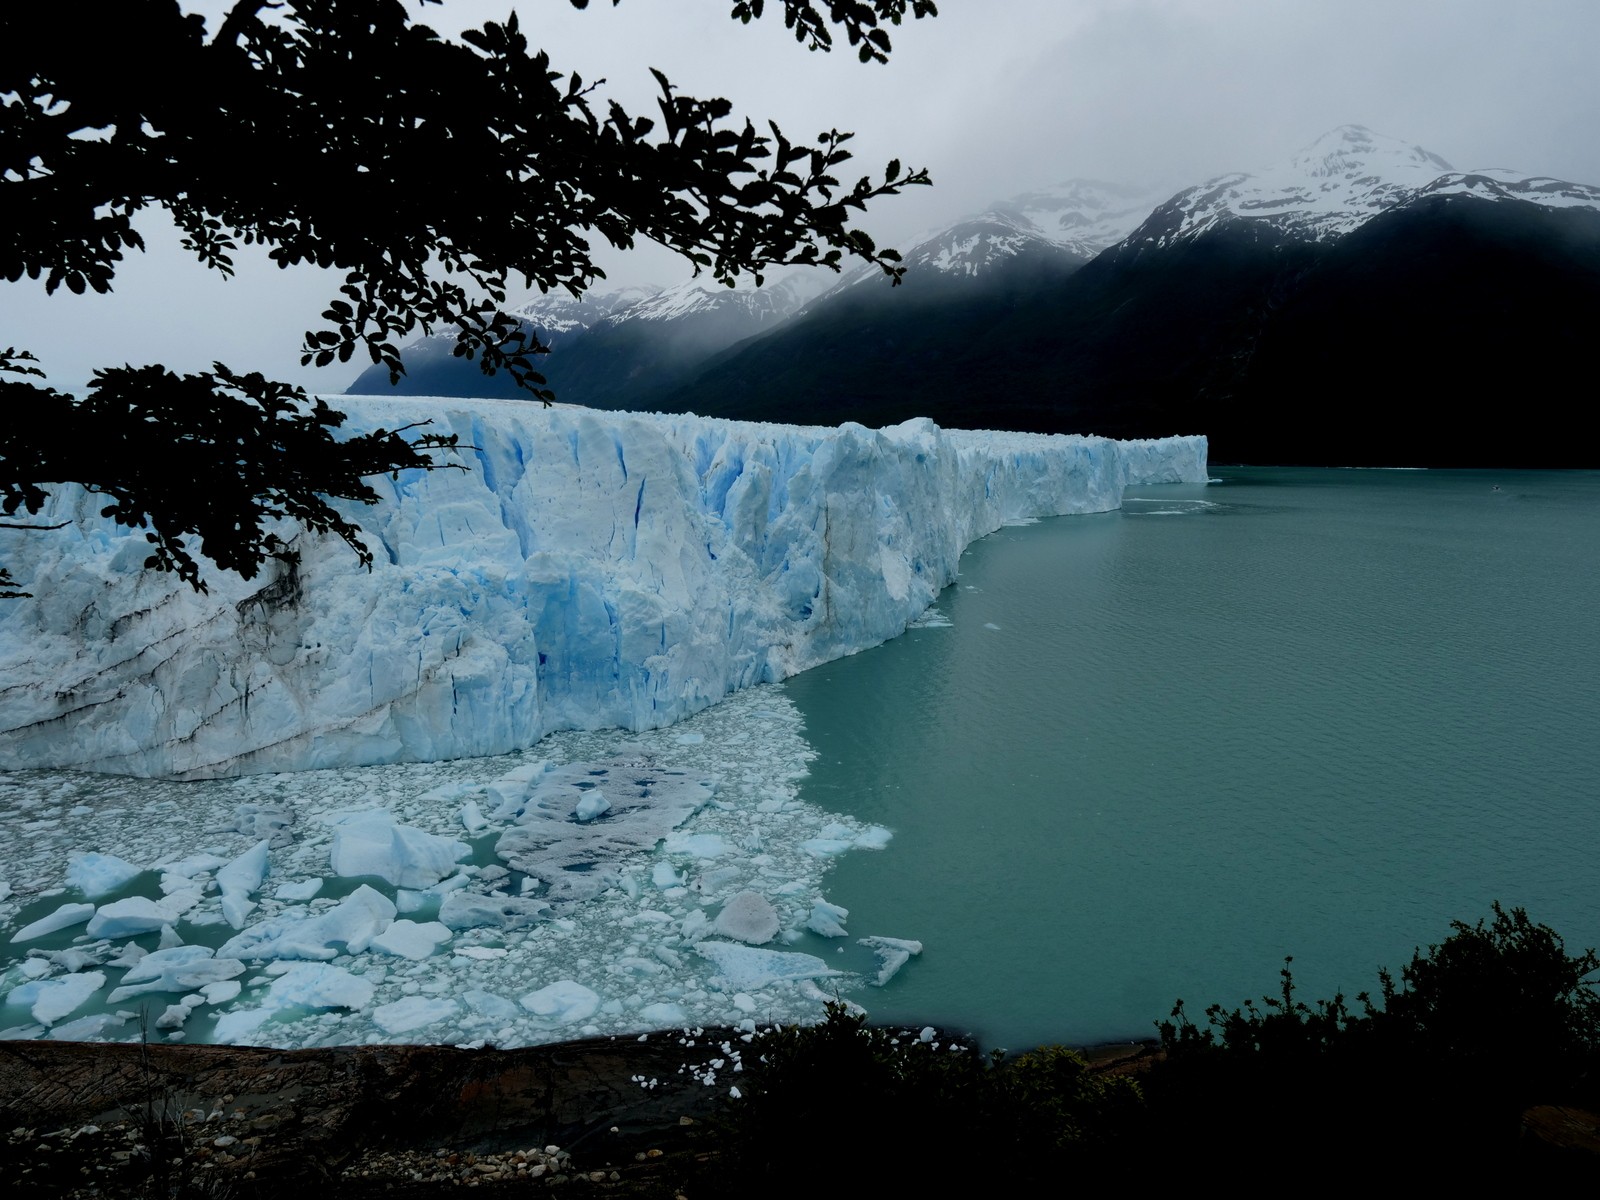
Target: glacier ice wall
[{"x": 587, "y": 570}]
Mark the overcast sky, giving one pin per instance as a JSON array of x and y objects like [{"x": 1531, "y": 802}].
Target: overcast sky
[{"x": 994, "y": 98}]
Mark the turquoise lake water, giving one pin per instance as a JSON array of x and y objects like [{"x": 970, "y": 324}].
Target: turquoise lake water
[{"x": 1294, "y": 712}]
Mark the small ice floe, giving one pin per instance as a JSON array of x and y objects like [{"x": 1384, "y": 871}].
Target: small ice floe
[
  {"x": 468, "y": 910},
  {"x": 48, "y": 1000},
  {"x": 578, "y": 859},
  {"x": 408, "y": 939},
  {"x": 827, "y": 920},
  {"x": 64, "y": 917},
  {"x": 892, "y": 954},
  {"x": 299, "y": 891},
  {"x": 270, "y": 821},
  {"x": 239, "y": 879},
  {"x": 320, "y": 985},
  {"x": 592, "y": 805},
  {"x": 749, "y": 969},
  {"x": 97, "y": 875},
  {"x": 94, "y": 1027},
  {"x": 349, "y": 926},
  {"x": 749, "y": 917},
  {"x": 371, "y": 843},
  {"x": 180, "y": 969},
  {"x": 564, "y": 1002},
  {"x": 130, "y": 917},
  {"x": 490, "y": 1005},
  {"x": 663, "y": 1014},
  {"x": 413, "y": 1012}
]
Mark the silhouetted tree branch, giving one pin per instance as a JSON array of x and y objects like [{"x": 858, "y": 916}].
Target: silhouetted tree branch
[{"x": 429, "y": 171}]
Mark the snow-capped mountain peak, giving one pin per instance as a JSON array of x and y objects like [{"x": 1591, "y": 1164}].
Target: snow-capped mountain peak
[
  {"x": 1332, "y": 186},
  {"x": 1335, "y": 185},
  {"x": 1074, "y": 220},
  {"x": 1084, "y": 216}
]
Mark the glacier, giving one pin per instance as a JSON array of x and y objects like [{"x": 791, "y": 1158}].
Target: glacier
[{"x": 584, "y": 570}]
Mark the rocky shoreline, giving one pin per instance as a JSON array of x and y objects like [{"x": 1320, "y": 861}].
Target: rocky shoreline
[{"x": 620, "y": 1116}]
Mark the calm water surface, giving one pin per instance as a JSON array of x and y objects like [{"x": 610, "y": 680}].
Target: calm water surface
[{"x": 1318, "y": 713}]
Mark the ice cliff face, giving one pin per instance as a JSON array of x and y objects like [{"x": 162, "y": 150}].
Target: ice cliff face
[{"x": 587, "y": 570}]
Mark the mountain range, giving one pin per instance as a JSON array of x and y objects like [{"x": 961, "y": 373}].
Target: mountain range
[{"x": 1363, "y": 303}]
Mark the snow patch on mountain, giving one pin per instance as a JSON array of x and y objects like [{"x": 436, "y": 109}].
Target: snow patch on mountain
[
  {"x": 557, "y": 313},
  {"x": 767, "y": 305},
  {"x": 1070, "y": 222}
]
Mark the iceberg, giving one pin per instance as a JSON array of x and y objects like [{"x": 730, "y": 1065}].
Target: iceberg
[{"x": 587, "y": 570}]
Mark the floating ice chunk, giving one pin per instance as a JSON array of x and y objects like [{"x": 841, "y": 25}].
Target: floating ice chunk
[
  {"x": 827, "y": 919},
  {"x": 239, "y": 879},
  {"x": 194, "y": 864},
  {"x": 97, "y": 875},
  {"x": 695, "y": 926},
  {"x": 663, "y": 876},
  {"x": 577, "y": 860},
  {"x": 5, "y": 890},
  {"x": 716, "y": 878},
  {"x": 174, "y": 1016},
  {"x": 748, "y": 969},
  {"x": 468, "y": 910},
  {"x": 472, "y": 818},
  {"x": 169, "y": 938},
  {"x": 487, "y": 1004},
  {"x": 690, "y": 739},
  {"x": 320, "y": 985},
  {"x": 237, "y": 1024},
  {"x": 64, "y": 917},
  {"x": 748, "y": 917},
  {"x": 513, "y": 786},
  {"x": 743, "y": 1002},
  {"x": 245, "y": 873},
  {"x": 664, "y": 1015},
  {"x": 372, "y": 844},
  {"x": 564, "y": 1002},
  {"x": 265, "y": 821},
  {"x": 696, "y": 845},
  {"x": 352, "y": 923},
  {"x": 302, "y": 890},
  {"x": 481, "y": 953},
  {"x": 180, "y": 969},
  {"x": 127, "y": 955},
  {"x": 408, "y": 939},
  {"x": 126, "y": 918},
  {"x": 34, "y": 968},
  {"x": 822, "y": 847},
  {"x": 892, "y": 954},
  {"x": 92, "y": 1028},
  {"x": 593, "y": 804},
  {"x": 413, "y": 1012},
  {"x": 874, "y": 837},
  {"x": 51, "y": 999},
  {"x": 222, "y": 991}
]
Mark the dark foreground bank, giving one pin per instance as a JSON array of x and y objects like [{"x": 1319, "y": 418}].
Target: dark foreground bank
[{"x": 1479, "y": 1061}]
